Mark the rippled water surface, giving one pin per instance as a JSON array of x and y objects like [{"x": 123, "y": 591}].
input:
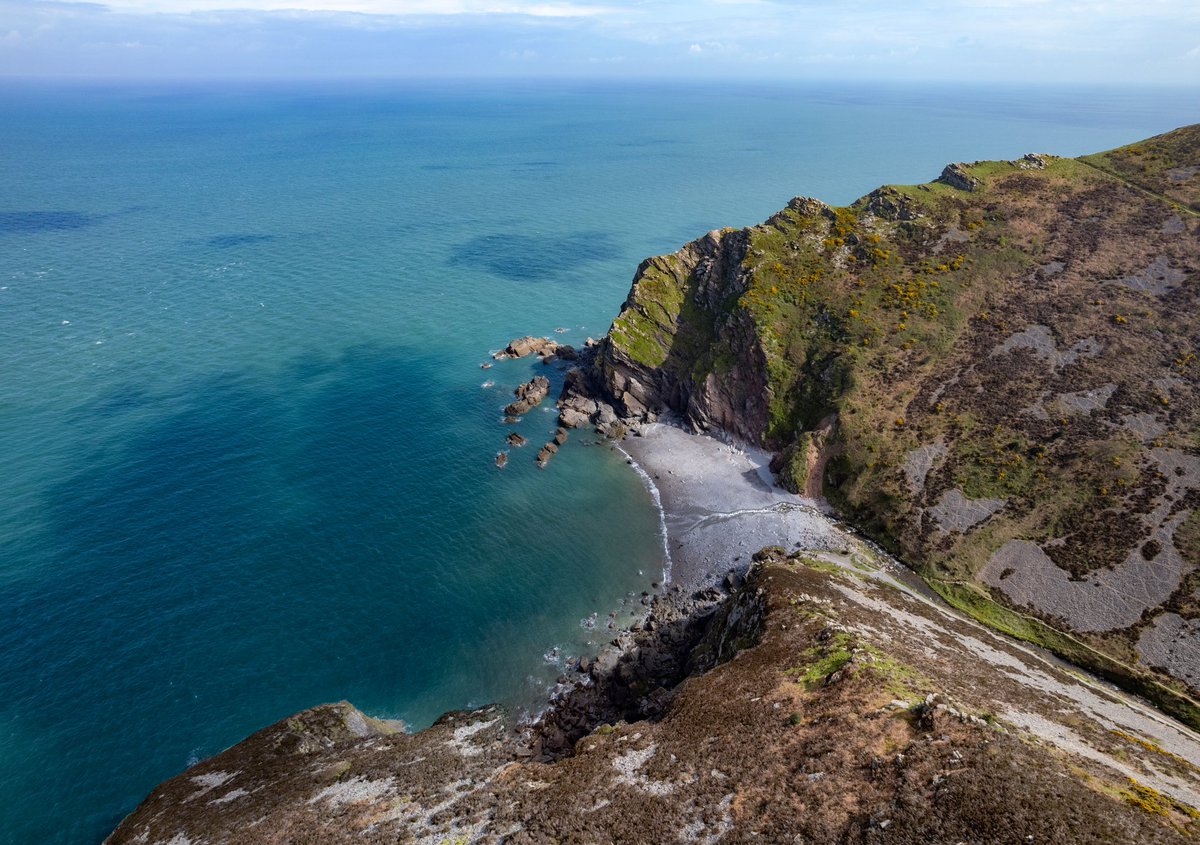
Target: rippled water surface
[{"x": 245, "y": 453}]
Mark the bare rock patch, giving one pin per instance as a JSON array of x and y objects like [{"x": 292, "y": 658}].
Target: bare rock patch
[
  {"x": 1086, "y": 401},
  {"x": 920, "y": 461},
  {"x": 955, "y": 512},
  {"x": 1173, "y": 643},
  {"x": 1158, "y": 278}
]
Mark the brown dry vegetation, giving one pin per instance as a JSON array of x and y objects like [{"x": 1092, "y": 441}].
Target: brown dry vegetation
[
  {"x": 1043, "y": 327},
  {"x": 797, "y": 738}
]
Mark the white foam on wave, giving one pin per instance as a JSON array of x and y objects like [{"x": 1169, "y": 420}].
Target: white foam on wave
[{"x": 658, "y": 505}]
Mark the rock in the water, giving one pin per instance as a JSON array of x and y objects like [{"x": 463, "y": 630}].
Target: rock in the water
[
  {"x": 517, "y": 440},
  {"x": 560, "y": 436},
  {"x": 546, "y": 453},
  {"x": 501, "y": 460},
  {"x": 523, "y": 346},
  {"x": 566, "y": 352},
  {"x": 529, "y": 396}
]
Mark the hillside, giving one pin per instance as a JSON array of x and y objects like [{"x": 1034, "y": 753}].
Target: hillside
[
  {"x": 994, "y": 374},
  {"x": 818, "y": 703}
]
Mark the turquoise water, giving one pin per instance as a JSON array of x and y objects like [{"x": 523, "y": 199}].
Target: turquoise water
[{"x": 245, "y": 453}]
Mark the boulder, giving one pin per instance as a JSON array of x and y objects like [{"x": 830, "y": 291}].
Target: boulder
[
  {"x": 529, "y": 396},
  {"x": 546, "y": 453},
  {"x": 517, "y": 440},
  {"x": 605, "y": 415},
  {"x": 560, "y": 436},
  {"x": 956, "y": 176},
  {"x": 523, "y": 346},
  {"x": 571, "y": 418},
  {"x": 501, "y": 460}
]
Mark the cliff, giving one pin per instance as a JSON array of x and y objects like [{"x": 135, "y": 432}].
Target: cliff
[
  {"x": 994, "y": 374},
  {"x": 836, "y": 707}
]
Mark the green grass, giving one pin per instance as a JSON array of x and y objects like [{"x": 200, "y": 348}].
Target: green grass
[
  {"x": 823, "y": 661},
  {"x": 972, "y": 601}
]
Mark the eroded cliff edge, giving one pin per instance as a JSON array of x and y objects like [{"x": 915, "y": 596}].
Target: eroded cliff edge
[
  {"x": 835, "y": 708},
  {"x": 995, "y": 374}
]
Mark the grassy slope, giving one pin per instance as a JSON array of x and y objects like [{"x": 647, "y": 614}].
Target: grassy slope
[{"x": 888, "y": 312}]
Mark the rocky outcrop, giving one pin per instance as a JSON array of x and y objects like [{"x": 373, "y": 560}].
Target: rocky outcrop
[
  {"x": 891, "y": 204},
  {"x": 677, "y": 312},
  {"x": 529, "y": 396},
  {"x": 546, "y": 453},
  {"x": 957, "y": 176},
  {"x": 516, "y": 440},
  {"x": 523, "y": 346},
  {"x": 1017, "y": 314}
]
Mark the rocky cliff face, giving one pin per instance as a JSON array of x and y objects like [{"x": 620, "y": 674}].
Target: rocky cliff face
[
  {"x": 655, "y": 356},
  {"x": 995, "y": 373},
  {"x": 836, "y": 708}
]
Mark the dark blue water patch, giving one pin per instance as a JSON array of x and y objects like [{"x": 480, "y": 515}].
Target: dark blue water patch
[
  {"x": 234, "y": 241},
  {"x": 529, "y": 258},
  {"x": 122, "y": 399},
  {"x": 28, "y": 222},
  {"x": 231, "y": 515},
  {"x": 650, "y": 142}
]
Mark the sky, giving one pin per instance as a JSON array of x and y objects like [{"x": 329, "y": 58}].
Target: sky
[{"x": 972, "y": 41}]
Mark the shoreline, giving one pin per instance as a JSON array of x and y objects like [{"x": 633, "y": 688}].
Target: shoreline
[{"x": 718, "y": 505}]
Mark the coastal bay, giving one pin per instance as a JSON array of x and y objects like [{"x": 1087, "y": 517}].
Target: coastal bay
[{"x": 248, "y": 449}]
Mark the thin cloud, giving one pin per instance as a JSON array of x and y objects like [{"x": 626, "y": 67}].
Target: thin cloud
[{"x": 388, "y": 8}]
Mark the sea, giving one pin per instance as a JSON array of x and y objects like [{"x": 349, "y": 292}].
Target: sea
[{"x": 247, "y": 444}]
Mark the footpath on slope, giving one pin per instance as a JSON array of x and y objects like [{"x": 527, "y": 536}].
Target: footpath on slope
[{"x": 720, "y": 506}]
